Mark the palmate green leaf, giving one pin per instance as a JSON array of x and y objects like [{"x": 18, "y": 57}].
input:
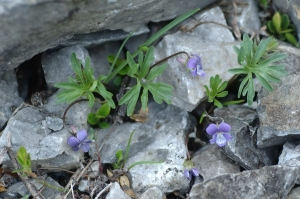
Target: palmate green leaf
[
  {"x": 272, "y": 58},
  {"x": 270, "y": 77},
  {"x": 247, "y": 43},
  {"x": 242, "y": 85},
  {"x": 88, "y": 72},
  {"x": 251, "y": 92},
  {"x": 241, "y": 56},
  {"x": 68, "y": 96},
  {"x": 128, "y": 95},
  {"x": 236, "y": 49},
  {"x": 156, "y": 71},
  {"x": 160, "y": 92},
  {"x": 91, "y": 99},
  {"x": 238, "y": 71},
  {"x": 68, "y": 86},
  {"x": 76, "y": 65},
  {"x": 277, "y": 70},
  {"x": 105, "y": 94},
  {"x": 261, "y": 49},
  {"x": 133, "y": 66},
  {"x": 141, "y": 58},
  {"x": 222, "y": 86},
  {"x": 264, "y": 83},
  {"x": 144, "y": 99},
  {"x": 132, "y": 102},
  {"x": 149, "y": 58}
]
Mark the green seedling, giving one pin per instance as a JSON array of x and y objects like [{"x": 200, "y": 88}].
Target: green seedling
[
  {"x": 122, "y": 159},
  {"x": 98, "y": 117},
  {"x": 282, "y": 29},
  {"x": 84, "y": 85},
  {"x": 258, "y": 60},
  {"x": 144, "y": 76},
  {"x": 216, "y": 90},
  {"x": 24, "y": 160}
]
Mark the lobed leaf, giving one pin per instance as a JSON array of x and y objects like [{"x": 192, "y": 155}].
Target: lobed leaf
[
  {"x": 272, "y": 58},
  {"x": 144, "y": 99},
  {"x": 261, "y": 49},
  {"x": 156, "y": 71},
  {"x": 264, "y": 83},
  {"x": 149, "y": 57},
  {"x": 238, "y": 71}
]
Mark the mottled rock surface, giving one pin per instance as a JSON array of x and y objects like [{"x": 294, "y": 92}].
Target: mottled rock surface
[
  {"x": 279, "y": 114},
  {"x": 267, "y": 182}
]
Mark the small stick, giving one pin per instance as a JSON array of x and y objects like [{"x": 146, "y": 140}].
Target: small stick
[{"x": 103, "y": 190}]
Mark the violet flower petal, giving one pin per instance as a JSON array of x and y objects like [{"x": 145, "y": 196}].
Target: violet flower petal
[
  {"x": 85, "y": 147},
  {"x": 224, "y": 127},
  {"x": 220, "y": 140},
  {"x": 227, "y": 136},
  {"x": 81, "y": 135},
  {"x": 187, "y": 174},
  {"x": 192, "y": 63},
  {"x": 73, "y": 141},
  {"x": 212, "y": 129},
  {"x": 75, "y": 148},
  {"x": 213, "y": 140},
  {"x": 198, "y": 58},
  {"x": 195, "y": 172},
  {"x": 201, "y": 73}
]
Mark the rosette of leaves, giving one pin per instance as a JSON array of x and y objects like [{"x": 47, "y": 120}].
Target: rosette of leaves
[
  {"x": 282, "y": 29},
  {"x": 144, "y": 76},
  {"x": 258, "y": 60},
  {"x": 216, "y": 89},
  {"x": 84, "y": 85},
  {"x": 98, "y": 117},
  {"x": 24, "y": 160}
]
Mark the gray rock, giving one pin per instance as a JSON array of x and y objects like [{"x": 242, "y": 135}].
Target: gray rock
[
  {"x": 290, "y": 155},
  {"x": 32, "y": 34},
  {"x": 278, "y": 114},
  {"x": 292, "y": 8},
  {"x": 242, "y": 148},
  {"x": 294, "y": 194},
  {"x": 47, "y": 147},
  {"x": 47, "y": 192},
  {"x": 57, "y": 65},
  {"x": 267, "y": 182},
  {"x": 212, "y": 161},
  {"x": 210, "y": 28},
  {"x": 292, "y": 61},
  {"x": 116, "y": 192},
  {"x": 54, "y": 123},
  {"x": 246, "y": 15},
  {"x": 189, "y": 91},
  {"x": 100, "y": 53},
  {"x": 153, "y": 193},
  {"x": 96, "y": 38},
  {"x": 160, "y": 138},
  {"x": 10, "y": 98}
]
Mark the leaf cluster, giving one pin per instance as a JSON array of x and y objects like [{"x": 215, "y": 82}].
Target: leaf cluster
[
  {"x": 24, "y": 160},
  {"x": 258, "y": 60},
  {"x": 282, "y": 29},
  {"x": 84, "y": 84},
  {"x": 216, "y": 89},
  {"x": 144, "y": 75},
  {"x": 98, "y": 117}
]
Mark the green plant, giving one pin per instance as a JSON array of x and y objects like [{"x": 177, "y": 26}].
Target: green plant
[
  {"x": 98, "y": 117},
  {"x": 24, "y": 160},
  {"x": 121, "y": 160},
  {"x": 144, "y": 75},
  {"x": 282, "y": 29},
  {"x": 216, "y": 89},
  {"x": 84, "y": 84},
  {"x": 258, "y": 60}
]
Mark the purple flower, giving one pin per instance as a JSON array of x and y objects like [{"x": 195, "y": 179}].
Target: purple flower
[
  {"x": 220, "y": 133},
  {"x": 194, "y": 64},
  {"x": 80, "y": 141},
  {"x": 191, "y": 172}
]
